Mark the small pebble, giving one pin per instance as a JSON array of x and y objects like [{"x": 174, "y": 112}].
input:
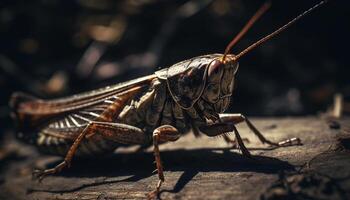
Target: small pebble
[
  {"x": 334, "y": 124},
  {"x": 272, "y": 126}
]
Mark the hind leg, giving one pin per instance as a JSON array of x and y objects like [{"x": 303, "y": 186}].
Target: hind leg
[{"x": 120, "y": 133}]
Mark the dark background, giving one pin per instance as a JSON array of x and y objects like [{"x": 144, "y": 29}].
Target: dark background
[{"x": 52, "y": 48}]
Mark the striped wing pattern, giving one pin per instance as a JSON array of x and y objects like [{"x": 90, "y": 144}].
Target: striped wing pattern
[{"x": 58, "y": 136}]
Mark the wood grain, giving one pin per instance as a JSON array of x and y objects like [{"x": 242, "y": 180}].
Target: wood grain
[{"x": 197, "y": 168}]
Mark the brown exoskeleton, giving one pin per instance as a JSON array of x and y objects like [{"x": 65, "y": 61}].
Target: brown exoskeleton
[{"x": 188, "y": 96}]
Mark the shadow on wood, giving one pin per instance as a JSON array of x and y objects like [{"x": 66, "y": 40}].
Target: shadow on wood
[{"x": 139, "y": 166}]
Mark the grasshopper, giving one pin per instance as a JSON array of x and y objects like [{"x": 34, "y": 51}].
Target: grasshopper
[{"x": 189, "y": 96}]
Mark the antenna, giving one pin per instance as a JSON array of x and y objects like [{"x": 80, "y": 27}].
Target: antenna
[
  {"x": 245, "y": 29},
  {"x": 276, "y": 32}
]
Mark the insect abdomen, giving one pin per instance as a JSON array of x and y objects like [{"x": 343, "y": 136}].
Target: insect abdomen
[{"x": 57, "y": 145}]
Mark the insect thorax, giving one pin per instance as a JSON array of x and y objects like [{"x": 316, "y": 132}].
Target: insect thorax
[{"x": 154, "y": 107}]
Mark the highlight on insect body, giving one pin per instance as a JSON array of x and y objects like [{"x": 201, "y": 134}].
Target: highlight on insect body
[{"x": 189, "y": 96}]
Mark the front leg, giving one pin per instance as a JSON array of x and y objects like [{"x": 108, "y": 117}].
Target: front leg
[
  {"x": 237, "y": 118},
  {"x": 234, "y": 142},
  {"x": 222, "y": 128}
]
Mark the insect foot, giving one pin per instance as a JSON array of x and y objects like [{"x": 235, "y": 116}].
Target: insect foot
[
  {"x": 155, "y": 193},
  {"x": 39, "y": 174},
  {"x": 290, "y": 142}
]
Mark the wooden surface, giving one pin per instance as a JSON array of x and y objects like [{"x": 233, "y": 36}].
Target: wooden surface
[{"x": 198, "y": 168}]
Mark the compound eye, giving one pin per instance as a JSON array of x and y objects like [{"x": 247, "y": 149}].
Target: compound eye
[
  {"x": 215, "y": 71},
  {"x": 214, "y": 67}
]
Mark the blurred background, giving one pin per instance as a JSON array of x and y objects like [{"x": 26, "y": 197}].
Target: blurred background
[{"x": 52, "y": 48}]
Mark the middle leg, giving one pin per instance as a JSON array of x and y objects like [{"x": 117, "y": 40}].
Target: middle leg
[{"x": 161, "y": 134}]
